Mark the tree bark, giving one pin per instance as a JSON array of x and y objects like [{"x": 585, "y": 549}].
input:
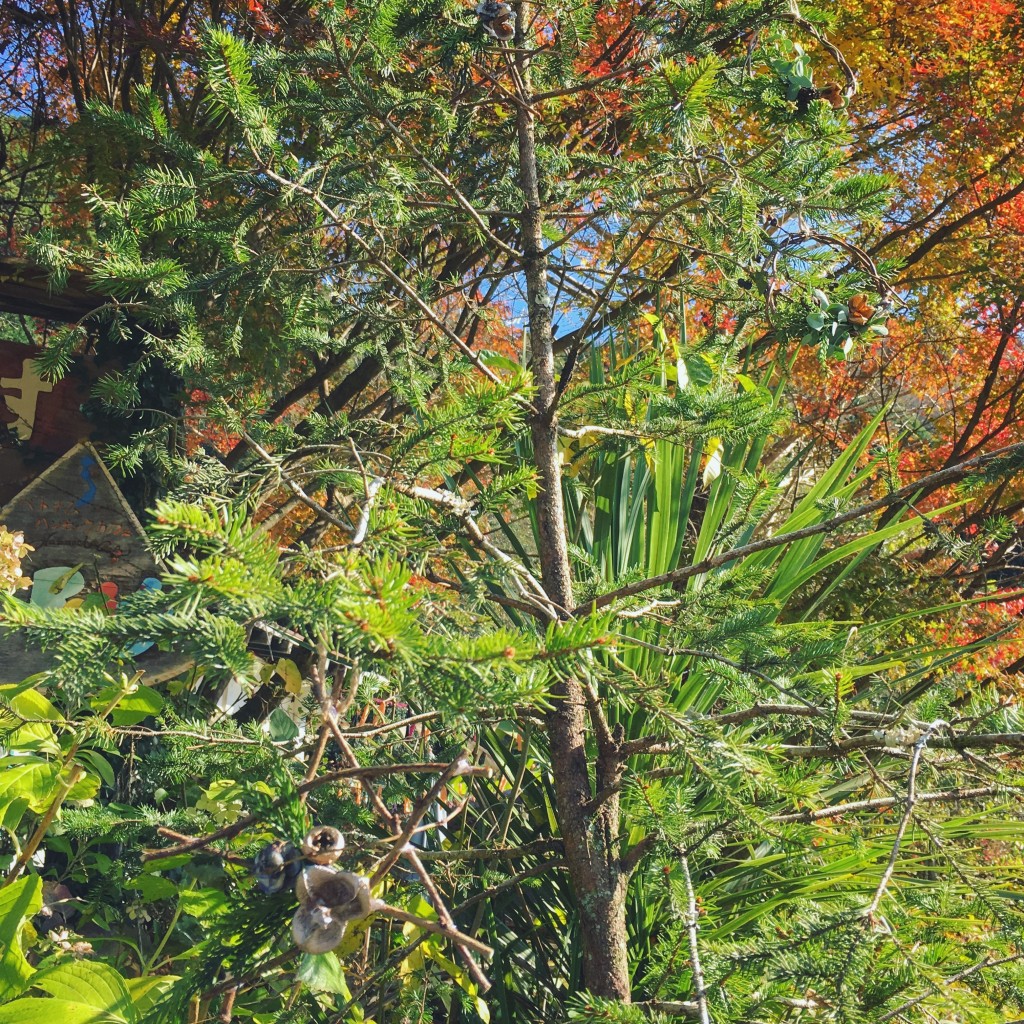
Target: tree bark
[{"x": 590, "y": 834}]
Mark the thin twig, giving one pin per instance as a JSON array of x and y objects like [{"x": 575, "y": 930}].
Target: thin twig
[
  {"x": 293, "y": 486},
  {"x": 692, "y": 927},
  {"x": 879, "y": 803},
  {"x": 880, "y": 739},
  {"x": 360, "y": 773},
  {"x": 362, "y": 732},
  {"x": 499, "y": 853},
  {"x": 530, "y": 587},
  {"x": 445, "y": 918},
  {"x": 946, "y": 983},
  {"x": 401, "y": 842},
  {"x": 911, "y": 800},
  {"x": 386, "y": 910},
  {"x": 511, "y": 883},
  {"x": 401, "y": 845}
]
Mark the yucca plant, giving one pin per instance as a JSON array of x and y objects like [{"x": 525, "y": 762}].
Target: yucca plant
[{"x": 730, "y": 667}]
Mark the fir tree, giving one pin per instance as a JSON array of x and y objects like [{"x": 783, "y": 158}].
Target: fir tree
[{"x": 479, "y": 319}]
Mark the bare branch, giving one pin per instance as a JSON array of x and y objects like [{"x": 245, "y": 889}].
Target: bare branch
[
  {"x": 878, "y": 803},
  {"x": 455, "y": 935},
  {"x": 692, "y": 927},
  {"x": 947, "y": 982},
  {"x": 911, "y": 800},
  {"x": 246, "y": 821}
]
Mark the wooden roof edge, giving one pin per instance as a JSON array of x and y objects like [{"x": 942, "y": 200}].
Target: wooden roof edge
[{"x": 26, "y": 289}]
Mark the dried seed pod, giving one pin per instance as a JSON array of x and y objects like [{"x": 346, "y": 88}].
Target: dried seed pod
[
  {"x": 316, "y": 929},
  {"x": 859, "y": 311},
  {"x": 496, "y": 19},
  {"x": 500, "y": 28},
  {"x": 346, "y": 894},
  {"x": 276, "y": 866},
  {"x": 323, "y": 845},
  {"x": 833, "y": 96}
]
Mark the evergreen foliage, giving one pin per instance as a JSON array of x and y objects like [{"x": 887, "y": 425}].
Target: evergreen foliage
[{"x": 800, "y": 803}]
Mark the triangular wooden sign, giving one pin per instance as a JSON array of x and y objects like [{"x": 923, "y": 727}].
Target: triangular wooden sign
[{"x": 76, "y": 518}]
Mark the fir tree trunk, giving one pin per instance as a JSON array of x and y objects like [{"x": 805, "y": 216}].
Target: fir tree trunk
[{"x": 589, "y": 834}]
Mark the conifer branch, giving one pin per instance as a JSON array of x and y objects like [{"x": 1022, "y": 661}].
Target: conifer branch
[
  {"x": 446, "y": 922},
  {"x": 464, "y": 204},
  {"x": 248, "y": 820},
  {"x": 292, "y": 485},
  {"x": 382, "y": 265},
  {"x": 530, "y": 588},
  {"x": 950, "y": 981}
]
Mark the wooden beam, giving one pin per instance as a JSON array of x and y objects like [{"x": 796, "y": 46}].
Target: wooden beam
[{"x": 25, "y": 289}]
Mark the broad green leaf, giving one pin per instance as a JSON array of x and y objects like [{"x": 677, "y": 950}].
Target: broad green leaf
[
  {"x": 289, "y": 672},
  {"x": 132, "y": 708},
  {"x": 12, "y": 813},
  {"x": 19, "y": 901},
  {"x": 29, "y": 702},
  {"x": 27, "y": 778},
  {"x": 322, "y": 973},
  {"x": 203, "y": 903},
  {"x": 54, "y": 1011},
  {"x": 99, "y": 764},
  {"x": 153, "y": 887},
  {"x": 84, "y": 789},
  {"x": 90, "y": 984},
  {"x": 482, "y": 1010},
  {"x": 33, "y": 737},
  {"x": 148, "y": 993},
  {"x": 280, "y": 727}
]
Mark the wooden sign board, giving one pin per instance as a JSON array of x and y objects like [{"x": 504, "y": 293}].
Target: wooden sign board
[
  {"x": 39, "y": 420},
  {"x": 76, "y": 517}
]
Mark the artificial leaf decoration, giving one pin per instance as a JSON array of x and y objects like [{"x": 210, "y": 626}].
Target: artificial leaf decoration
[{"x": 52, "y": 587}]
